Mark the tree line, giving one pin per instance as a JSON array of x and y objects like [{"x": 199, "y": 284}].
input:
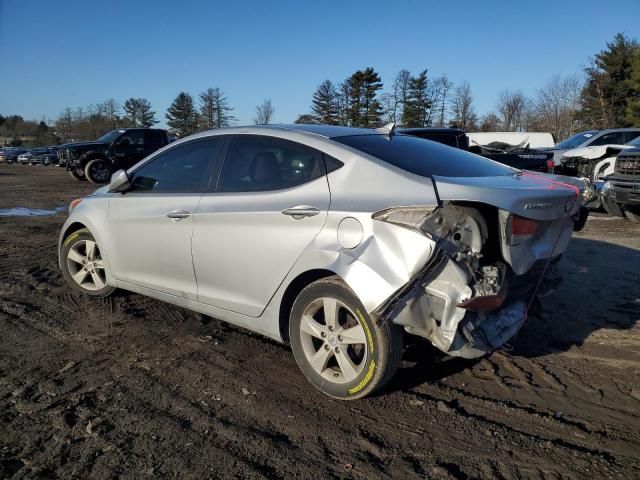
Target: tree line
[{"x": 606, "y": 95}]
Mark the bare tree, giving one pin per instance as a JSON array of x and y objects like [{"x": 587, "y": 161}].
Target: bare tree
[
  {"x": 489, "y": 123},
  {"x": 511, "y": 105},
  {"x": 464, "y": 116},
  {"x": 399, "y": 94},
  {"x": 264, "y": 113},
  {"x": 442, "y": 86},
  {"x": 556, "y": 106}
]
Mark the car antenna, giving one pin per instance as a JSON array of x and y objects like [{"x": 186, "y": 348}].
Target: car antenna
[{"x": 389, "y": 129}]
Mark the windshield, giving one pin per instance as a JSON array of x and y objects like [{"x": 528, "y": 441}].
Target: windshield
[
  {"x": 577, "y": 140},
  {"x": 424, "y": 157},
  {"x": 110, "y": 137}
]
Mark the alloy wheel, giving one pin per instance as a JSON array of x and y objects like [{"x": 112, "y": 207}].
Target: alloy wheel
[
  {"x": 86, "y": 265},
  {"x": 333, "y": 340}
]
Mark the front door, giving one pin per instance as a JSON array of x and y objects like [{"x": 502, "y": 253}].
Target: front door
[
  {"x": 149, "y": 228},
  {"x": 270, "y": 203}
]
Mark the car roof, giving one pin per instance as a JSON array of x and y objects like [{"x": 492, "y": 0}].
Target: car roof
[{"x": 626, "y": 129}]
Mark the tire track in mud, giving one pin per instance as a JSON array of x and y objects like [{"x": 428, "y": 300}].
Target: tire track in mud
[{"x": 132, "y": 387}]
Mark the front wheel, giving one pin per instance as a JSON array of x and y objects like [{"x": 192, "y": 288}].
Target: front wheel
[
  {"x": 97, "y": 171},
  {"x": 83, "y": 265},
  {"x": 77, "y": 173},
  {"x": 338, "y": 347}
]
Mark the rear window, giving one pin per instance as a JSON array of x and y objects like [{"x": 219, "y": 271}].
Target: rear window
[{"x": 424, "y": 157}]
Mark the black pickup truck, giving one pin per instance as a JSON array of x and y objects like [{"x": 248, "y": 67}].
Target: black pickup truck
[
  {"x": 517, "y": 156},
  {"x": 120, "y": 148}
]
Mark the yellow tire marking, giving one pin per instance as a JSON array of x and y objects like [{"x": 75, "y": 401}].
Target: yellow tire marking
[
  {"x": 372, "y": 366},
  {"x": 367, "y": 378},
  {"x": 69, "y": 238}
]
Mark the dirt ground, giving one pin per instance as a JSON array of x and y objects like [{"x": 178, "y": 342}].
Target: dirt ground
[{"x": 129, "y": 387}]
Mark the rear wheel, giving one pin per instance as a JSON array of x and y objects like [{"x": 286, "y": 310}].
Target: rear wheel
[
  {"x": 338, "y": 347},
  {"x": 97, "y": 171},
  {"x": 83, "y": 265}
]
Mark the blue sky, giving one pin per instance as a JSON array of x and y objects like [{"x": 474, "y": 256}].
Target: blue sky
[{"x": 62, "y": 53}]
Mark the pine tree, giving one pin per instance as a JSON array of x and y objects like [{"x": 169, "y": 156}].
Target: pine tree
[
  {"x": 417, "y": 104},
  {"x": 182, "y": 116},
  {"x": 146, "y": 116},
  {"x": 214, "y": 109},
  {"x": 139, "y": 113},
  {"x": 608, "y": 90},
  {"x": 365, "y": 108},
  {"x": 325, "y": 103}
]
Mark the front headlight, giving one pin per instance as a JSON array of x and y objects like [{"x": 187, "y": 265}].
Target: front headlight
[{"x": 606, "y": 187}]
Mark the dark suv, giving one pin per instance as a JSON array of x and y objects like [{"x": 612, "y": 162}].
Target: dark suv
[{"x": 121, "y": 148}]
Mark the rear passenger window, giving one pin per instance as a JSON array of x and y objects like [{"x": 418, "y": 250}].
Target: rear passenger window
[
  {"x": 256, "y": 164},
  {"x": 613, "y": 138}
]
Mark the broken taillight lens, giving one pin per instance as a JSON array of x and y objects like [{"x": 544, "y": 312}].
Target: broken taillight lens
[
  {"x": 485, "y": 303},
  {"x": 408, "y": 217},
  {"x": 521, "y": 229},
  {"x": 550, "y": 166}
]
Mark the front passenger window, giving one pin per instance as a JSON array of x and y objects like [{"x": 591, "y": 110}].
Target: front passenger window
[{"x": 183, "y": 169}]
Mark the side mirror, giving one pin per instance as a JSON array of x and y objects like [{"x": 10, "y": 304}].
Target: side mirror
[{"x": 119, "y": 182}]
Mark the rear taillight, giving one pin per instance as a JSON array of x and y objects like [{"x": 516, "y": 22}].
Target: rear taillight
[
  {"x": 550, "y": 166},
  {"x": 484, "y": 303},
  {"x": 408, "y": 217},
  {"x": 520, "y": 229}
]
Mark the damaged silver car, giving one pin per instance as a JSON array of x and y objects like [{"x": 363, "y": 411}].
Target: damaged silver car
[{"x": 331, "y": 239}]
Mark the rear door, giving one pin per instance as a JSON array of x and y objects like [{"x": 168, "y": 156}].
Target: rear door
[
  {"x": 270, "y": 202},
  {"x": 149, "y": 228}
]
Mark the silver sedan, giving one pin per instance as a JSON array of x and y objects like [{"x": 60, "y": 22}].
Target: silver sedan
[{"x": 334, "y": 240}]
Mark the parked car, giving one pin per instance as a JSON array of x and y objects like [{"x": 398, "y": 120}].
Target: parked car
[
  {"x": 11, "y": 154},
  {"x": 519, "y": 156},
  {"x": 332, "y": 239},
  {"x": 621, "y": 190},
  {"x": 25, "y": 158},
  {"x": 594, "y": 164},
  {"x": 121, "y": 148},
  {"x": 593, "y": 138},
  {"x": 45, "y": 156},
  {"x": 540, "y": 140}
]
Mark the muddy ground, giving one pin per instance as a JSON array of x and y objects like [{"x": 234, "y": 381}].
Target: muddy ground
[{"x": 129, "y": 387}]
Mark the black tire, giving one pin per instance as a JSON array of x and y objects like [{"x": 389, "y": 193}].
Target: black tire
[
  {"x": 73, "y": 241},
  {"x": 77, "y": 174},
  {"x": 381, "y": 353},
  {"x": 98, "y": 171}
]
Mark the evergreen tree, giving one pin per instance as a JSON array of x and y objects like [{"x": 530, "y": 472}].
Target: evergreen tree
[
  {"x": 182, "y": 116},
  {"x": 632, "y": 116},
  {"x": 139, "y": 113},
  {"x": 214, "y": 109},
  {"x": 417, "y": 104},
  {"x": 365, "y": 108},
  {"x": 609, "y": 89},
  {"x": 325, "y": 103}
]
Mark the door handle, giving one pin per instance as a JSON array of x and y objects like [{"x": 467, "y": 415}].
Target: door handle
[
  {"x": 301, "y": 211},
  {"x": 178, "y": 215}
]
